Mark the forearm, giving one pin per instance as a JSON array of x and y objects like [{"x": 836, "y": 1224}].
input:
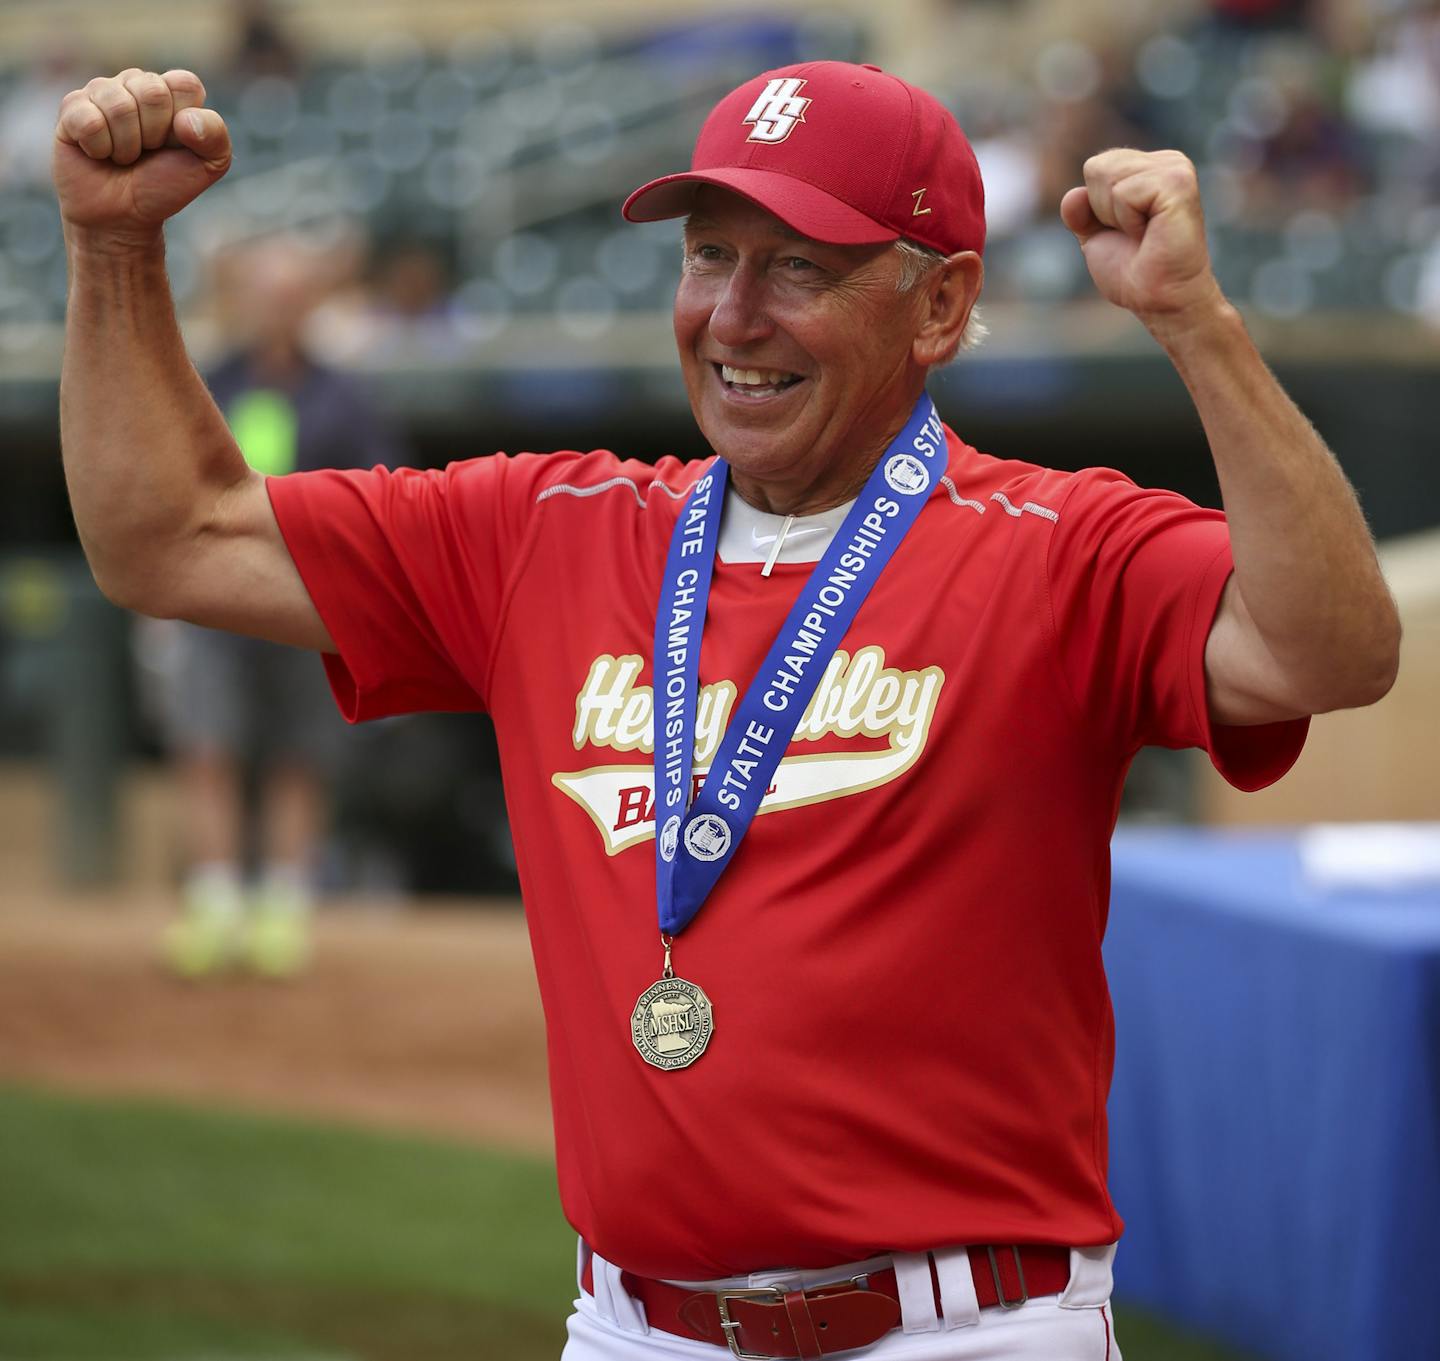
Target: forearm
[
  {"x": 147, "y": 455},
  {"x": 1305, "y": 565}
]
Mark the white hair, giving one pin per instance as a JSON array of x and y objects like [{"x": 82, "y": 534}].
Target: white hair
[{"x": 916, "y": 262}]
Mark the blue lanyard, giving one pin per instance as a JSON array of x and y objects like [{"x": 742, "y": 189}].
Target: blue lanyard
[{"x": 694, "y": 844}]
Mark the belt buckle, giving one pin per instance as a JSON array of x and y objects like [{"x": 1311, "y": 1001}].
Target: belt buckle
[
  {"x": 732, "y": 1326},
  {"x": 999, "y": 1288}
]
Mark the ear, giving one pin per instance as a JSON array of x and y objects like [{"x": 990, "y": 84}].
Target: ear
[{"x": 950, "y": 293}]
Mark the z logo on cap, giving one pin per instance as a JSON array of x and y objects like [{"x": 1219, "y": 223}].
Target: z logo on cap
[{"x": 777, "y": 110}]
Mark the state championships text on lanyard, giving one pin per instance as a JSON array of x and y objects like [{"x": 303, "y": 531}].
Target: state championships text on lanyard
[{"x": 673, "y": 1020}]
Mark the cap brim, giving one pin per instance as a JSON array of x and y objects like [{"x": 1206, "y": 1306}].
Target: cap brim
[{"x": 801, "y": 206}]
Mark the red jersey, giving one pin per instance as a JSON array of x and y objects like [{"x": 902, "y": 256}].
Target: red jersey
[{"x": 913, "y": 1038}]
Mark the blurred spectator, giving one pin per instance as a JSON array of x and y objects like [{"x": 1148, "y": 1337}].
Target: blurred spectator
[
  {"x": 404, "y": 306},
  {"x": 1309, "y": 162},
  {"x": 1296, "y": 131},
  {"x": 261, "y": 46},
  {"x": 411, "y": 282},
  {"x": 28, "y": 113},
  {"x": 1070, "y": 130},
  {"x": 999, "y": 125},
  {"x": 237, "y": 702},
  {"x": 1397, "y": 88},
  {"x": 1252, "y": 14}
]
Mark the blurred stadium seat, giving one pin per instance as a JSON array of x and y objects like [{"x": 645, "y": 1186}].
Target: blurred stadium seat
[{"x": 1320, "y": 192}]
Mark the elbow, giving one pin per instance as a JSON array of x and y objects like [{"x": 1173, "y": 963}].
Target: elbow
[
  {"x": 1386, "y": 668},
  {"x": 1385, "y": 655},
  {"x": 106, "y": 572},
  {"x": 123, "y": 595},
  {"x": 1363, "y": 691},
  {"x": 140, "y": 592},
  {"x": 1371, "y": 673},
  {"x": 118, "y": 592}
]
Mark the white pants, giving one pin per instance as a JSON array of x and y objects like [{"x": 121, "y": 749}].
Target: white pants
[{"x": 1074, "y": 1326}]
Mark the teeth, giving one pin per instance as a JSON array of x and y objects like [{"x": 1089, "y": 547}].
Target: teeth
[{"x": 766, "y": 378}]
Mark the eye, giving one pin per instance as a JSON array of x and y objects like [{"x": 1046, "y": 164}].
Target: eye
[
  {"x": 704, "y": 251},
  {"x": 798, "y": 264}
]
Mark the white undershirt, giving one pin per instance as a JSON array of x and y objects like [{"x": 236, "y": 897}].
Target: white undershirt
[{"x": 750, "y": 535}]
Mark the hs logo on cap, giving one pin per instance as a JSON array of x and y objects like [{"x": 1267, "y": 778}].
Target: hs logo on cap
[{"x": 778, "y": 109}]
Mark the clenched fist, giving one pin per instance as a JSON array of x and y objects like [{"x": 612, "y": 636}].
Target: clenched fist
[
  {"x": 132, "y": 150},
  {"x": 1140, "y": 224}
]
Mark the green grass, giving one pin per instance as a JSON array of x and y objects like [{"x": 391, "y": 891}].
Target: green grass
[
  {"x": 139, "y": 1231},
  {"x": 1142, "y": 1337},
  {"x": 136, "y": 1231}
]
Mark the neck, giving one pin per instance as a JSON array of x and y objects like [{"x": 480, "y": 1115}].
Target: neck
[
  {"x": 806, "y": 500},
  {"x": 834, "y": 486}
]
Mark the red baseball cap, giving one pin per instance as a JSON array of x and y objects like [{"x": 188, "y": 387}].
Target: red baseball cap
[{"x": 840, "y": 153}]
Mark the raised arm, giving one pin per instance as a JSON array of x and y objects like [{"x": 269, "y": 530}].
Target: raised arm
[
  {"x": 1306, "y": 624},
  {"x": 172, "y": 520}
]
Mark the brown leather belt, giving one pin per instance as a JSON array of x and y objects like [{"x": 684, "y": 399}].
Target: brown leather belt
[{"x": 775, "y": 1322}]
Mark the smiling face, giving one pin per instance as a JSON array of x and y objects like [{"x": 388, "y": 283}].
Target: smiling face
[{"x": 799, "y": 357}]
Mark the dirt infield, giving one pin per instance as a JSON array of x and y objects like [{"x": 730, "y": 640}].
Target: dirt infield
[{"x": 421, "y": 1019}]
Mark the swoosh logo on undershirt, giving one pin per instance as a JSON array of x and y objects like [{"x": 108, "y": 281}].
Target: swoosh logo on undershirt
[{"x": 760, "y": 540}]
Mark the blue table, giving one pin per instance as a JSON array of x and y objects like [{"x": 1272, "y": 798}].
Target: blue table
[{"x": 1275, "y": 1114}]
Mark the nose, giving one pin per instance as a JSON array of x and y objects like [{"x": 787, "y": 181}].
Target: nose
[{"x": 740, "y": 315}]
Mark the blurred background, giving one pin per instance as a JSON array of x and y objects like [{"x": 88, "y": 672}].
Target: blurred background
[{"x": 341, "y": 1150}]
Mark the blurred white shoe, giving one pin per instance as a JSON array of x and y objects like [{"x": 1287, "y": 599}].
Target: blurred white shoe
[
  {"x": 277, "y": 929},
  {"x": 206, "y": 938}
]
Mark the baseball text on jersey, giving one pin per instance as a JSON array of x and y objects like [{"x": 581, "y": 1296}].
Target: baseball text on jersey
[{"x": 858, "y": 697}]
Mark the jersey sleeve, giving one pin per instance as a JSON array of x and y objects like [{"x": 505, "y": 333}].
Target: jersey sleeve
[
  {"x": 409, "y": 569},
  {"x": 1134, "y": 578}
]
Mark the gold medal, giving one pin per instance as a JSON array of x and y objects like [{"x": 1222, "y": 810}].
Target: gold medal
[{"x": 672, "y": 1021}]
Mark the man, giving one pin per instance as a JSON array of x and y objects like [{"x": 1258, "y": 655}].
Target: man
[{"x": 859, "y": 1102}]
